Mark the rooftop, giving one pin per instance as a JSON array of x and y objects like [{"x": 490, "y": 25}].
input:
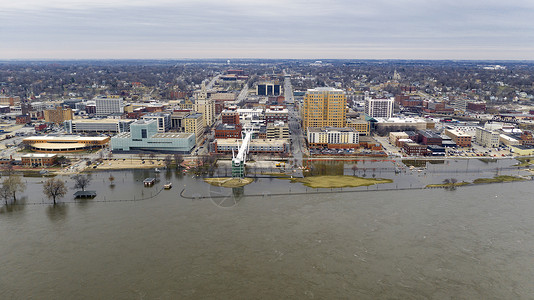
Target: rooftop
[
  {"x": 66, "y": 138},
  {"x": 39, "y": 155},
  {"x": 226, "y": 127},
  {"x": 193, "y": 116},
  {"x": 429, "y": 134},
  {"x": 401, "y": 120},
  {"x": 327, "y": 129},
  {"x": 270, "y": 142},
  {"x": 458, "y": 133},
  {"x": 172, "y": 135},
  {"x": 100, "y": 121},
  {"x": 325, "y": 89}
]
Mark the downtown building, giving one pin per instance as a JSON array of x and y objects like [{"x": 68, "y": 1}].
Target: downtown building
[
  {"x": 163, "y": 120},
  {"x": 379, "y": 108},
  {"x": 144, "y": 136},
  {"x": 487, "y": 138},
  {"x": 58, "y": 115},
  {"x": 108, "y": 106},
  {"x": 109, "y": 126},
  {"x": 205, "y": 105},
  {"x": 324, "y": 107},
  {"x": 267, "y": 89},
  {"x": 332, "y": 138}
]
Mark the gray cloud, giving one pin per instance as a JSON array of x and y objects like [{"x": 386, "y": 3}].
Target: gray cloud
[{"x": 307, "y": 29}]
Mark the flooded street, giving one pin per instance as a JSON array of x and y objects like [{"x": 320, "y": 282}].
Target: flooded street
[{"x": 475, "y": 242}]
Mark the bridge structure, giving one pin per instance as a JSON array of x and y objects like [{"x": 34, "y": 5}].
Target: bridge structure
[{"x": 238, "y": 161}]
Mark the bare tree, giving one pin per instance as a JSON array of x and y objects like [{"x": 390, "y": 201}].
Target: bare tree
[
  {"x": 81, "y": 181},
  {"x": 141, "y": 155},
  {"x": 62, "y": 160},
  {"x": 167, "y": 161},
  {"x": 7, "y": 169},
  {"x": 5, "y": 194},
  {"x": 11, "y": 185},
  {"x": 151, "y": 156},
  {"x": 111, "y": 180},
  {"x": 178, "y": 159},
  {"x": 54, "y": 188}
]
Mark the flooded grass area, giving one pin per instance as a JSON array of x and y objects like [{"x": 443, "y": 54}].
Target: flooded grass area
[
  {"x": 421, "y": 163},
  {"x": 525, "y": 161},
  {"x": 496, "y": 179},
  {"x": 447, "y": 185}
]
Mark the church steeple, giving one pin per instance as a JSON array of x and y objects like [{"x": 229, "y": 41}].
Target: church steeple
[{"x": 396, "y": 75}]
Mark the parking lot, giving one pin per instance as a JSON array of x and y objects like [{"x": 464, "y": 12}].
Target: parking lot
[{"x": 474, "y": 151}]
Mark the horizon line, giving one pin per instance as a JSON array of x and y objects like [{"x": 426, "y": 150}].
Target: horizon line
[{"x": 250, "y": 58}]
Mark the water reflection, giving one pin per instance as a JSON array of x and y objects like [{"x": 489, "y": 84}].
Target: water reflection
[
  {"x": 422, "y": 163},
  {"x": 320, "y": 168},
  {"x": 57, "y": 212},
  {"x": 17, "y": 206},
  {"x": 83, "y": 203}
]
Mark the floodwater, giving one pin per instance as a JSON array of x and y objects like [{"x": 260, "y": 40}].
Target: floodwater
[{"x": 475, "y": 242}]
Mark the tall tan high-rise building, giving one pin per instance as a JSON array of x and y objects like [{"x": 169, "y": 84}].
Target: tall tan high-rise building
[
  {"x": 324, "y": 107},
  {"x": 194, "y": 123},
  {"x": 58, "y": 115},
  {"x": 9, "y": 100},
  {"x": 205, "y": 106}
]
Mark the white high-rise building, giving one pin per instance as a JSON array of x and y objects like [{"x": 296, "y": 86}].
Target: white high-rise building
[
  {"x": 108, "y": 106},
  {"x": 379, "y": 108}
]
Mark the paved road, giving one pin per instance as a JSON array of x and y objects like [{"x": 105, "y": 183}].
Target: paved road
[
  {"x": 288, "y": 89},
  {"x": 212, "y": 82},
  {"x": 243, "y": 94},
  {"x": 297, "y": 136}
]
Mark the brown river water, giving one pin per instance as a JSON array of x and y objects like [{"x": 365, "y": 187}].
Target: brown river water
[{"x": 475, "y": 242}]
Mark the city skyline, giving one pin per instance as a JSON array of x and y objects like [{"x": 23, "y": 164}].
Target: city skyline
[{"x": 384, "y": 29}]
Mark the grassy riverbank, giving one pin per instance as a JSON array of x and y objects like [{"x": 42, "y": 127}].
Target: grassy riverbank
[
  {"x": 496, "y": 179},
  {"x": 229, "y": 182},
  {"x": 525, "y": 161},
  {"x": 447, "y": 185}
]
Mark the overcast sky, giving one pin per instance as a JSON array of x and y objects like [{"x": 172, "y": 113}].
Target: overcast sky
[{"x": 404, "y": 29}]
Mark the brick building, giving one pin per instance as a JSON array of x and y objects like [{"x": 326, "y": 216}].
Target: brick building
[
  {"x": 23, "y": 119},
  {"x": 228, "y": 131},
  {"x": 414, "y": 149},
  {"x": 39, "y": 159},
  {"x": 230, "y": 117}
]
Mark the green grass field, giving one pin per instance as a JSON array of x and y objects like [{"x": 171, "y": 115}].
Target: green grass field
[{"x": 338, "y": 181}]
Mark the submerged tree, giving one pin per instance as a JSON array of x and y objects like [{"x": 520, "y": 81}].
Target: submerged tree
[
  {"x": 5, "y": 194},
  {"x": 167, "y": 161},
  {"x": 54, "y": 189},
  {"x": 178, "y": 159},
  {"x": 7, "y": 169},
  {"x": 354, "y": 169},
  {"x": 450, "y": 183},
  {"x": 11, "y": 185},
  {"x": 81, "y": 181}
]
